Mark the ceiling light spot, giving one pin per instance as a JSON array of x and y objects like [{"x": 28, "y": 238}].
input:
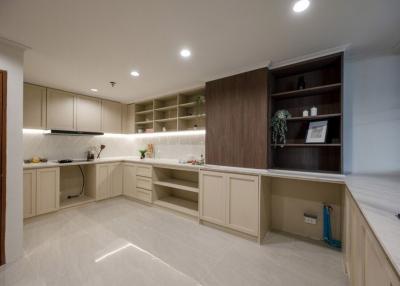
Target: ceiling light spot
[
  {"x": 94, "y": 89},
  {"x": 301, "y": 6},
  {"x": 185, "y": 53},
  {"x": 135, "y": 73}
]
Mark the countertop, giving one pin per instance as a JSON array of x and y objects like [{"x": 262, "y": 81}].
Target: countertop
[{"x": 378, "y": 197}]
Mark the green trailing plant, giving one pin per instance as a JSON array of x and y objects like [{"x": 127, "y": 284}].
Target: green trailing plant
[
  {"x": 279, "y": 126},
  {"x": 200, "y": 99}
]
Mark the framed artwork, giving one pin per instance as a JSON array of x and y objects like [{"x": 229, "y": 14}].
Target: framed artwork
[{"x": 317, "y": 132}]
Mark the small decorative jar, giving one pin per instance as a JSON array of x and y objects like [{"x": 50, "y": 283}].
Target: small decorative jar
[
  {"x": 305, "y": 113},
  {"x": 314, "y": 111}
]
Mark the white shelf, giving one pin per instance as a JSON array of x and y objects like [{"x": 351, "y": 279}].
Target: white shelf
[
  {"x": 144, "y": 122},
  {"x": 188, "y": 104},
  {"x": 144, "y": 111},
  {"x": 166, "y": 108},
  {"x": 76, "y": 201},
  {"x": 192, "y": 116},
  {"x": 166, "y": 119},
  {"x": 179, "y": 205},
  {"x": 179, "y": 184}
]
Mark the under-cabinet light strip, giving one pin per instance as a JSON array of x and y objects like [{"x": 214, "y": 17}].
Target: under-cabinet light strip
[{"x": 137, "y": 135}]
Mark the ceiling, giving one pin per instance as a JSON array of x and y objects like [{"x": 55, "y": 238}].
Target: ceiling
[{"x": 77, "y": 45}]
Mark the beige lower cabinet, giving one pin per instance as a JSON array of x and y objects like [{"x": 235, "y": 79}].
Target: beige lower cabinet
[
  {"x": 108, "y": 180},
  {"x": 365, "y": 260},
  {"x": 230, "y": 200},
  {"x": 41, "y": 191},
  {"x": 138, "y": 183}
]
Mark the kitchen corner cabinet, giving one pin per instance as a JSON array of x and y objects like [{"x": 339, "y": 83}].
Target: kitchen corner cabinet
[
  {"x": 108, "y": 180},
  {"x": 60, "y": 110},
  {"x": 230, "y": 200},
  {"x": 34, "y": 106},
  {"x": 111, "y": 116},
  {"x": 88, "y": 114},
  {"x": 365, "y": 261},
  {"x": 41, "y": 191}
]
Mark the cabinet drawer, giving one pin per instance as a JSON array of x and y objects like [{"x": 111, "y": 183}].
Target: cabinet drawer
[
  {"x": 144, "y": 195},
  {"x": 143, "y": 183},
  {"x": 144, "y": 171}
]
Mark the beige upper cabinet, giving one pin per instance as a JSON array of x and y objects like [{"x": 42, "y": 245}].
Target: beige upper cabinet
[
  {"x": 111, "y": 116},
  {"x": 243, "y": 203},
  {"x": 60, "y": 110},
  {"x": 88, "y": 114},
  {"x": 34, "y": 106}
]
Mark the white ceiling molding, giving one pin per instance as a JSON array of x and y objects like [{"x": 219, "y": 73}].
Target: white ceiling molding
[
  {"x": 311, "y": 56},
  {"x": 13, "y": 44}
]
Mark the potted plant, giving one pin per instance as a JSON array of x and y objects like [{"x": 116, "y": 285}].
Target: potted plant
[
  {"x": 143, "y": 153},
  {"x": 279, "y": 126}
]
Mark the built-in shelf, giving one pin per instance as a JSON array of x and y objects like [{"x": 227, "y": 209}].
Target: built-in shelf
[
  {"x": 192, "y": 116},
  {"x": 308, "y": 91},
  {"x": 76, "y": 201},
  {"x": 307, "y": 145},
  {"x": 144, "y": 112},
  {"x": 179, "y": 184},
  {"x": 188, "y": 104},
  {"x": 166, "y": 108},
  {"x": 179, "y": 205},
  {"x": 165, "y": 119},
  {"x": 143, "y": 122},
  {"x": 324, "y": 116}
]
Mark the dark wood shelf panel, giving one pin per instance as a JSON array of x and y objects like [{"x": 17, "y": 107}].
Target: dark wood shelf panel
[
  {"x": 308, "y": 145},
  {"x": 322, "y": 116},
  {"x": 308, "y": 91}
]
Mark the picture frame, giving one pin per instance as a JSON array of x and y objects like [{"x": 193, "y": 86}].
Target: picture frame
[{"x": 317, "y": 132}]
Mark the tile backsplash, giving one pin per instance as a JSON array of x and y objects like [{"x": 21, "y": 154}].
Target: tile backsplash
[{"x": 75, "y": 147}]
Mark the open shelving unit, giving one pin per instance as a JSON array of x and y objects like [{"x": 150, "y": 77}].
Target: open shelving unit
[
  {"x": 324, "y": 84},
  {"x": 178, "y": 112},
  {"x": 176, "y": 190}
]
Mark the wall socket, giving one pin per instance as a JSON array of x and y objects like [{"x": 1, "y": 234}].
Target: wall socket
[{"x": 311, "y": 219}]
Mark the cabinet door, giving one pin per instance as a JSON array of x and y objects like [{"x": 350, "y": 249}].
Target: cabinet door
[
  {"x": 88, "y": 114},
  {"x": 116, "y": 179},
  {"x": 29, "y": 193},
  {"x": 129, "y": 180},
  {"x": 130, "y": 119},
  {"x": 60, "y": 110},
  {"x": 357, "y": 248},
  {"x": 378, "y": 269},
  {"x": 243, "y": 203},
  {"x": 34, "y": 106},
  {"x": 213, "y": 197},
  {"x": 103, "y": 181},
  {"x": 48, "y": 190},
  {"x": 111, "y": 116}
]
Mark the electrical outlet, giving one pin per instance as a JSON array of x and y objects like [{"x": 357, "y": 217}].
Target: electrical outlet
[{"x": 310, "y": 219}]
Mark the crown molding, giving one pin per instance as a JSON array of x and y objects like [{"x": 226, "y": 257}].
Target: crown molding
[
  {"x": 13, "y": 44},
  {"x": 311, "y": 56}
]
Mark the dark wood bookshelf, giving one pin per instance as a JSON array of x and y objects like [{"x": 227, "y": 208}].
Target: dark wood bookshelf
[{"x": 324, "y": 87}]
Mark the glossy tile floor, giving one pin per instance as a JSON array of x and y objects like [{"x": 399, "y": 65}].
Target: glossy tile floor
[{"x": 121, "y": 242}]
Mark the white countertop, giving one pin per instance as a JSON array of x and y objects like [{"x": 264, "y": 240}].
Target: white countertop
[{"x": 378, "y": 197}]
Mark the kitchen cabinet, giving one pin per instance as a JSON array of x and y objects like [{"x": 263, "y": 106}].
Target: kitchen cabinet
[
  {"x": 237, "y": 116},
  {"x": 116, "y": 179},
  {"x": 243, "y": 203},
  {"x": 138, "y": 183},
  {"x": 34, "y": 106},
  {"x": 29, "y": 195},
  {"x": 130, "y": 119},
  {"x": 88, "y": 114},
  {"x": 61, "y": 110},
  {"x": 213, "y": 197},
  {"x": 109, "y": 180},
  {"x": 365, "y": 260},
  {"x": 47, "y": 190},
  {"x": 230, "y": 200},
  {"x": 111, "y": 116},
  {"x": 129, "y": 187}
]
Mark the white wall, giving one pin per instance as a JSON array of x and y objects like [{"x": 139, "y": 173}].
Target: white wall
[
  {"x": 372, "y": 114},
  {"x": 11, "y": 60},
  {"x": 75, "y": 147}
]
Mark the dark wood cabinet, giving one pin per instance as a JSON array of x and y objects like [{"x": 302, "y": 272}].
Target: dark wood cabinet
[{"x": 236, "y": 122}]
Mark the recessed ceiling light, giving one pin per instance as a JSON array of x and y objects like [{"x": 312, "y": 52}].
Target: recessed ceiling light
[
  {"x": 301, "y": 6},
  {"x": 185, "y": 53},
  {"x": 135, "y": 73},
  {"x": 94, "y": 89}
]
